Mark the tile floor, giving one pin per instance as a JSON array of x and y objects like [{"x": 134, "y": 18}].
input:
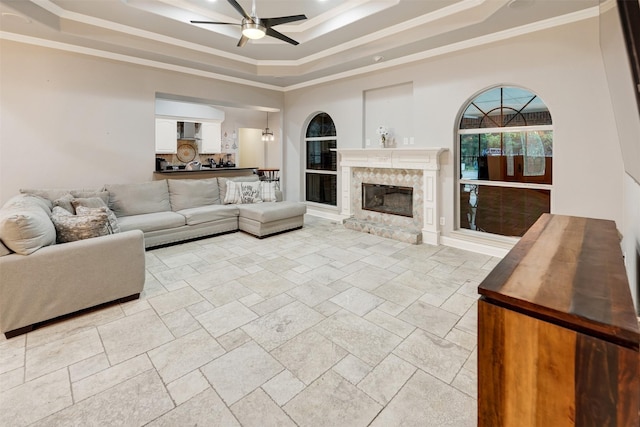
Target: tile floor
[{"x": 318, "y": 327}]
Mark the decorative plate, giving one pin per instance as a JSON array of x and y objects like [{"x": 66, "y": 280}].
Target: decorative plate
[{"x": 186, "y": 153}]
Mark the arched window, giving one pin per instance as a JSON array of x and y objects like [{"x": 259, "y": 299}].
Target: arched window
[
  {"x": 505, "y": 169},
  {"x": 321, "y": 169}
]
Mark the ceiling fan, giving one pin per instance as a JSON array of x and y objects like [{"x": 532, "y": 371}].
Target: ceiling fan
[{"x": 255, "y": 28}]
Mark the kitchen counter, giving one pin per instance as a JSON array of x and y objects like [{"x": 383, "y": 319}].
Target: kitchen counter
[{"x": 202, "y": 173}]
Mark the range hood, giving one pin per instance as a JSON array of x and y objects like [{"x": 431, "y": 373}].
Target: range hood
[{"x": 188, "y": 130}]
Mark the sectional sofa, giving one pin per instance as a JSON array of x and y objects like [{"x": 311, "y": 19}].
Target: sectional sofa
[{"x": 62, "y": 251}]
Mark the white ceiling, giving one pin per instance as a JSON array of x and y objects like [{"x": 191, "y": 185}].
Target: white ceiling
[{"x": 340, "y": 37}]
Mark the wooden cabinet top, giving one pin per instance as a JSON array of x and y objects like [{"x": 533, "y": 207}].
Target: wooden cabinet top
[{"x": 569, "y": 271}]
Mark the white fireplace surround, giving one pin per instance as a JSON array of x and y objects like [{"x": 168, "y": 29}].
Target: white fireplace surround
[{"x": 425, "y": 159}]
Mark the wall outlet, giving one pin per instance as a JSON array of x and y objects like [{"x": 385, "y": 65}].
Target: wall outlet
[
  {"x": 441, "y": 220},
  {"x": 367, "y": 142},
  {"x": 411, "y": 141},
  {"x": 405, "y": 141}
]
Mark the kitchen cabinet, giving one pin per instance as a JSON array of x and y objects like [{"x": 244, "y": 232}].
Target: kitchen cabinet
[
  {"x": 166, "y": 136},
  {"x": 210, "y": 138},
  {"x": 558, "y": 338}
]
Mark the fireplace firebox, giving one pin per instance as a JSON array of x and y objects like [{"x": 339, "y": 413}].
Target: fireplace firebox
[{"x": 388, "y": 199}]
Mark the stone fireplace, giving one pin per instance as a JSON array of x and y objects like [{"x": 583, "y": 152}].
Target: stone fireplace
[{"x": 400, "y": 180}]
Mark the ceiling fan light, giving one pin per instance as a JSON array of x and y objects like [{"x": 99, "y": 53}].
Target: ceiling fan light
[{"x": 253, "y": 31}]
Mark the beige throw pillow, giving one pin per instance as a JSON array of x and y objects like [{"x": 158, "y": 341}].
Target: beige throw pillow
[
  {"x": 243, "y": 192},
  {"x": 71, "y": 227},
  {"x": 97, "y": 202}
]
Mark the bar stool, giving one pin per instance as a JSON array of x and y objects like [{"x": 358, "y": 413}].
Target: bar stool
[{"x": 270, "y": 175}]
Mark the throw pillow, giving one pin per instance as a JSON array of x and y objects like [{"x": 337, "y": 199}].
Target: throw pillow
[
  {"x": 222, "y": 183},
  {"x": 83, "y": 194},
  {"x": 97, "y": 202},
  {"x": 71, "y": 228},
  {"x": 65, "y": 202},
  {"x": 25, "y": 226},
  {"x": 243, "y": 192},
  {"x": 268, "y": 191}
]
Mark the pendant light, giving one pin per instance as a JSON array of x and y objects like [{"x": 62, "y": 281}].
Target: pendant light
[{"x": 267, "y": 135}]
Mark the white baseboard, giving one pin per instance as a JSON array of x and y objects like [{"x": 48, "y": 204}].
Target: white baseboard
[
  {"x": 483, "y": 248},
  {"x": 320, "y": 213}
]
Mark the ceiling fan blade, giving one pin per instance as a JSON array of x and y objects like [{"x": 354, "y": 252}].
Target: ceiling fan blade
[
  {"x": 243, "y": 40},
  {"x": 270, "y": 22},
  {"x": 273, "y": 33},
  {"x": 213, "y": 22},
  {"x": 240, "y": 10}
]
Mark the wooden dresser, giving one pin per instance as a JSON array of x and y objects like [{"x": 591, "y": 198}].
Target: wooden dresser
[{"x": 558, "y": 337}]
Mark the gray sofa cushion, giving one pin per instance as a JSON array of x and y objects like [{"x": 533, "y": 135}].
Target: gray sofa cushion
[
  {"x": 209, "y": 213},
  {"x": 193, "y": 193},
  {"x": 25, "y": 225},
  {"x": 52, "y": 194},
  {"x": 151, "y": 221},
  {"x": 136, "y": 199},
  {"x": 272, "y": 211}
]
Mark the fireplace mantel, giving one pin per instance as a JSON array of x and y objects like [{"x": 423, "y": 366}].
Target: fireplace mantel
[{"x": 426, "y": 160}]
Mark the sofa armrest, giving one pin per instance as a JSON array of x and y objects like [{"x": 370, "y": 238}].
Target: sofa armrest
[{"x": 64, "y": 278}]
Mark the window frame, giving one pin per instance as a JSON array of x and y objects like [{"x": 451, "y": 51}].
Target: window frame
[{"x": 306, "y": 171}]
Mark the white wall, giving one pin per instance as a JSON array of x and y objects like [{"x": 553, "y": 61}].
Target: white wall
[
  {"x": 561, "y": 65},
  {"x": 70, "y": 120}
]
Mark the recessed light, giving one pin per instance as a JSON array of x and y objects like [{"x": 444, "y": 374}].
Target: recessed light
[{"x": 378, "y": 58}]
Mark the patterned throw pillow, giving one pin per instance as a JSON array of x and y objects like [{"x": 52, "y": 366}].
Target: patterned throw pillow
[
  {"x": 243, "y": 192},
  {"x": 70, "y": 228},
  {"x": 97, "y": 202},
  {"x": 268, "y": 191}
]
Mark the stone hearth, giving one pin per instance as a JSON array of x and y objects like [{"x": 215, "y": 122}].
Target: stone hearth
[{"x": 415, "y": 168}]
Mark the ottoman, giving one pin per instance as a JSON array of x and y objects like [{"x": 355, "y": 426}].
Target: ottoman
[{"x": 264, "y": 219}]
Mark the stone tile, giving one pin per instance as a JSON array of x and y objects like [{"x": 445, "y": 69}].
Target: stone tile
[
  {"x": 470, "y": 289},
  {"x": 467, "y": 382},
  {"x": 135, "y": 306},
  {"x": 332, "y": 401},
  {"x": 258, "y": 410},
  {"x": 294, "y": 277},
  {"x": 457, "y": 304},
  {"x": 435, "y": 291},
  {"x": 357, "y": 301},
  {"x": 12, "y": 354},
  {"x": 276, "y": 328},
  {"x": 233, "y": 339},
  {"x": 72, "y": 326},
  {"x": 472, "y": 361},
  {"x": 226, "y": 293},
  {"x": 369, "y": 278},
  {"x": 378, "y": 260},
  {"x": 180, "y": 322},
  {"x": 200, "y": 308},
  {"x": 226, "y": 318},
  {"x": 326, "y": 274},
  {"x": 174, "y": 274},
  {"x": 139, "y": 400},
  {"x": 363, "y": 339},
  {"x": 241, "y": 371},
  {"x": 391, "y": 308},
  {"x": 110, "y": 377},
  {"x": 345, "y": 256},
  {"x": 352, "y": 369},
  {"x": 11, "y": 379},
  {"x": 390, "y": 323},
  {"x": 279, "y": 264},
  {"x": 176, "y": 358},
  {"x": 174, "y": 286},
  {"x": 184, "y": 388},
  {"x": 398, "y": 294},
  {"x": 58, "y": 354},
  {"x": 425, "y": 401},
  {"x": 283, "y": 387},
  {"x": 312, "y": 293},
  {"x": 175, "y": 300},
  {"x": 433, "y": 355},
  {"x": 133, "y": 335},
  {"x": 327, "y": 308},
  {"x": 309, "y": 355},
  {"x": 251, "y": 299},
  {"x": 272, "y": 304},
  {"x": 469, "y": 322},
  {"x": 386, "y": 379},
  {"x": 314, "y": 260},
  {"x": 419, "y": 265},
  {"x": 431, "y": 319},
  {"x": 462, "y": 338},
  {"x": 88, "y": 367},
  {"x": 31, "y": 401},
  {"x": 266, "y": 283}
]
